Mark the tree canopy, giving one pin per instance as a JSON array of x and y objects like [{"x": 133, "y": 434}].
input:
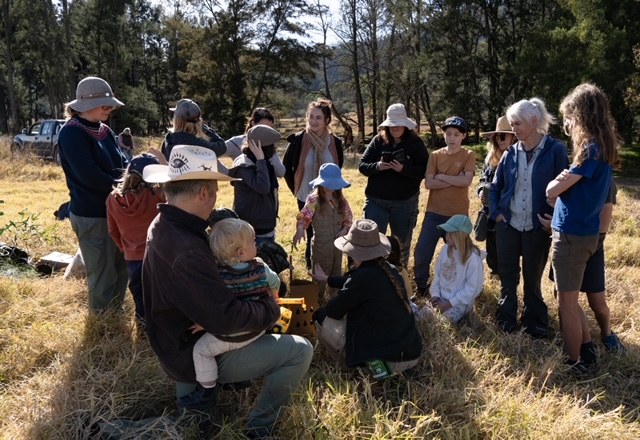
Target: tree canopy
[{"x": 472, "y": 58}]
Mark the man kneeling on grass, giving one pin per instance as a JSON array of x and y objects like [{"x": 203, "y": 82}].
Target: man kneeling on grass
[{"x": 182, "y": 286}]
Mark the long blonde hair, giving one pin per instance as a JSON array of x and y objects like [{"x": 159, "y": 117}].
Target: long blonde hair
[{"x": 463, "y": 244}]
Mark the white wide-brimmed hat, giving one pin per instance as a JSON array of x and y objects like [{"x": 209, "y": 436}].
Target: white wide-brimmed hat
[
  {"x": 186, "y": 162},
  {"x": 93, "y": 92},
  {"x": 502, "y": 126},
  {"x": 363, "y": 242},
  {"x": 397, "y": 117}
]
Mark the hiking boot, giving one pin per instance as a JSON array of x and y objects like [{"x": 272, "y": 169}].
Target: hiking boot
[
  {"x": 588, "y": 354},
  {"x": 612, "y": 343},
  {"x": 200, "y": 399},
  {"x": 507, "y": 326}
]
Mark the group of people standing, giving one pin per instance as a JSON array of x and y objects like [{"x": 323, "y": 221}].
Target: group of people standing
[{"x": 185, "y": 287}]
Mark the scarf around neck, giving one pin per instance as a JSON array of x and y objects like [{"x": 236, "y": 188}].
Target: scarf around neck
[{"x": 319, "y": 145}]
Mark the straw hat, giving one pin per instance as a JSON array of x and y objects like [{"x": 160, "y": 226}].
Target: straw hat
[
  {"x": 397, "y": 117},
  {"x": 363, "y": 242},
  {"x": 93, "y": 92},
  {"x": 186, "y": 162},
  {"x": 502, "y": 126}
]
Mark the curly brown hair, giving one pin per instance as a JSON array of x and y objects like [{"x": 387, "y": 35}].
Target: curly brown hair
[{"x": 587, "y": 118}]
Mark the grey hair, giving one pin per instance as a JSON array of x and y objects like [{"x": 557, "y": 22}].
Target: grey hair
[
  {"x": 527, "y": 109},
  {"x": 186, "y": 187}
]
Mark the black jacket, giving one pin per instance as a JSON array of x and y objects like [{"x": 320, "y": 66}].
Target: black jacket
[
  {"x": 291, "y": 158},
  {"x": 216, "y": 144},
  {"x": 379, "y": 326},
  {"x": 389, "y": 184}
]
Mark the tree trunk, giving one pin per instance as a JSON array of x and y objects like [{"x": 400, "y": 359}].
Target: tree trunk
[{"x": 13, "y": 124}]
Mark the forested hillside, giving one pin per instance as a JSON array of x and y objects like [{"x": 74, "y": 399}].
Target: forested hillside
[{"x": 470, "y": 57}]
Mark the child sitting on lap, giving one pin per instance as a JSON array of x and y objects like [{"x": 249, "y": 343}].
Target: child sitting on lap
[{"x": 233, "y": 244}]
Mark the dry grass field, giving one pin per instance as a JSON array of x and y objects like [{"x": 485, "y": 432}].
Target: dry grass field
[{"x": 61, "y": 369}]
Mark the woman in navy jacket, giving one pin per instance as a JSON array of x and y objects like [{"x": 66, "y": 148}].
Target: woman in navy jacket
[{"x": 517, "y": 201}]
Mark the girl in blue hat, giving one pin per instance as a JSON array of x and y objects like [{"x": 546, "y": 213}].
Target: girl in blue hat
[{"x": 330, "y": 215}]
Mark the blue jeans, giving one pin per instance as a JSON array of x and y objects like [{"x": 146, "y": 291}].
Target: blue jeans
[
  {"x": 426, "y": 247},
  {"x": 134, "y": 268},
  {"x": 400, "y": 215},
  {"x": 271, "y": 239},
  {"x": 107, "y": 275},
  {"x": 283, "y": 360},
  {"x": 533, "y": 247}
]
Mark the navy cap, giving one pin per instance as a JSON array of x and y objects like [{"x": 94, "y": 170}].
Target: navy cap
[
  {"x": 455, "y": 122},
  {"x": 139, "y": 162}
]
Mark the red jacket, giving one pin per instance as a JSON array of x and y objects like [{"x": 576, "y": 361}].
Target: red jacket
[{"x": 129, "y": 217}]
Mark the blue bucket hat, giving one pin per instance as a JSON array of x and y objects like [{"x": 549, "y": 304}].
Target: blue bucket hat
[
  {"x": 458, "y": 222},
  {"x": 330, "y": 177}
]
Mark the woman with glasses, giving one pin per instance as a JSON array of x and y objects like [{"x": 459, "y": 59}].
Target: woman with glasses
[
  {"x": 498, "y": 141},
  {"x": 92, "y": 161},
  {"x": 517, "y": 202}
]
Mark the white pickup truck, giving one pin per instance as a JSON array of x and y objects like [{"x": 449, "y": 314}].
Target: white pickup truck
[{"x": 41, "y": 140}]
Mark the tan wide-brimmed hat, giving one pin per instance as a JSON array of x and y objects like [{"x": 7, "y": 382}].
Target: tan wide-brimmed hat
[
  {"x": 93, "y": 92},
  {"x": 363, "y": 242},
  {"x": 397, "y": 117},
  {"x": 186, "y": 162},
  {"x": 502, "y": 126}
]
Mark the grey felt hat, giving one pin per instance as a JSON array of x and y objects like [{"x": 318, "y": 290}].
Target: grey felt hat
[
  {"x": 363, "y": 242},
  {"x": 263, "y": 134},
  {"x": 93, "y": 92},
  {"x": 186, "y": 110}
]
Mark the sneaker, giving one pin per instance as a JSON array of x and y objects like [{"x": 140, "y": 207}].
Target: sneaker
[
  {"x": 201, "y": 399},
  {"x": 612, "y": 343},
  {"x": 577, "y": 368},
  {"x": 588, "y": 354}
]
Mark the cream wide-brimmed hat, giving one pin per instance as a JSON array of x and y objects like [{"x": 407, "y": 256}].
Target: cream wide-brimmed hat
[
  {"x": 186, "y": 162},
  {"x": 502, "y": 126},
  {"x": 93, "y": 92},
  {"x": 397, "y": 117},
  {"x": 363, "y": 242}
]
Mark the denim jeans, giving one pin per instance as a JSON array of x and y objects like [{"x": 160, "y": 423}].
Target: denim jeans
[
  {"x": 533, "y": 247},
  {"x": 283, "y": 360},
  {"x": 426, "y": 247},
  {"x": 107, "y": 275},
  {"x": 400, "y": 215},
  {"x": 134, "y": 267}
]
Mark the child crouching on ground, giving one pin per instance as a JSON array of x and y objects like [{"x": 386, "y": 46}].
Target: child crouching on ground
[
  {"x": 459, "y": 272},
  {"x": 233, "y": 243}
]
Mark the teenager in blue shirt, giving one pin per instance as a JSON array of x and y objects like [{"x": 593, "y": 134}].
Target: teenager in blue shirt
[{"x": 581, "y": 192}]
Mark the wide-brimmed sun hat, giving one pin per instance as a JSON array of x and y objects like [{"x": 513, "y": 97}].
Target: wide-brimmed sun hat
[
  {"x": 93, "y": 92},
  {"x": 397, "y": 117},
  {"x": 186, "y": 162},
  {"x": 502, "y": 126},
  {"x": 456, "y": 223},
  {"x": 364, "y": 242},
  {"x": 186, "y": 110},
  {"x": 264, "y": 134},
  {"x": 455, "y": 122},
  {"x": 330, "y": 177}
]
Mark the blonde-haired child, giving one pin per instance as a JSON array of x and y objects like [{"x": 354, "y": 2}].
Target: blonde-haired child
[
  {"x": 233, "y": 244},
  {"x": 329, "y": 213},
  {"x": 459, "y": 273}
]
